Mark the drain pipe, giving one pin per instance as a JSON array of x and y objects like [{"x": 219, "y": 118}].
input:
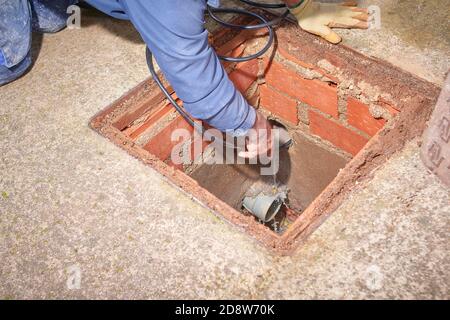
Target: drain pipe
[{"x": 264, "y": 207}]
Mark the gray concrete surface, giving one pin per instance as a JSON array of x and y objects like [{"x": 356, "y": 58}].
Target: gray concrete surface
[
  {"x": 71, "y": 201},
  {"x": 412, "y": 34},
  {"x": 388, "y": 240}
]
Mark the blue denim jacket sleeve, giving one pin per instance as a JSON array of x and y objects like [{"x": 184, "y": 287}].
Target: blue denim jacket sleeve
[{"x": 174, "y": 31}]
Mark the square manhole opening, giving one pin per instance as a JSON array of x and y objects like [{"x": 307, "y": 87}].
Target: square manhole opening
[{"x": 345, "y": 112}]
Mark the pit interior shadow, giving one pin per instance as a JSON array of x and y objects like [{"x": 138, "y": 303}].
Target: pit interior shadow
[{"x": 305, "y": 170}]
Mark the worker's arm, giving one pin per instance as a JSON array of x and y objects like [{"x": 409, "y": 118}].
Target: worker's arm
[
  {"x": 318, "y": 18},
  {"x": 174, "y": 31}
]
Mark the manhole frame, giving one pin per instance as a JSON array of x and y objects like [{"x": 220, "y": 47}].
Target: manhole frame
[{"x": 414, "y": 97}]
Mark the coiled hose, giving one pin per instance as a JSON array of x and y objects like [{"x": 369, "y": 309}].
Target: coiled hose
[{"x": 212, "y": 13}]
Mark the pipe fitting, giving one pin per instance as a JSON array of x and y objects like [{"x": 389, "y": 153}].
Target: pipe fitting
[{"x": 264, "y": 207}]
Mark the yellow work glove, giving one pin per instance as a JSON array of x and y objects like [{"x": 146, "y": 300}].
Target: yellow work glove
[{"x": 318, "y": 18}]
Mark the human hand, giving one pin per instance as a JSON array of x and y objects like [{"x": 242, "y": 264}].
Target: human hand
[
  {"x": 318, "y": 18},
  {"x": 259, "y": 140}
]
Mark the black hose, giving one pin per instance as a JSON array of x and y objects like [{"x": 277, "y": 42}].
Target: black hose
[
  {"x": 212, "y": 13},
  {"x": 264, "y": 24},
  {"x": 151, "y": 67},
  {"x": 265, "y": 5}
]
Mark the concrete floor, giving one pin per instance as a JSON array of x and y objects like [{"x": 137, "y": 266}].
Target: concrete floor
[
  {"x": 71, "y": 201},
  {"x": 413, "y": 34}
]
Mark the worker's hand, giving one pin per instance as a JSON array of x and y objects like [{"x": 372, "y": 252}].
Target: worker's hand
[
  {"x": 259, "y": 141},
  {"x": 318, "y": 18}
]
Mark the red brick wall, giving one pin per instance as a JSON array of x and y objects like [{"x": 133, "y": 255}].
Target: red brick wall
[
  {"x": 287, "y": 92},
  {"x": 327, "y": 112}
]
